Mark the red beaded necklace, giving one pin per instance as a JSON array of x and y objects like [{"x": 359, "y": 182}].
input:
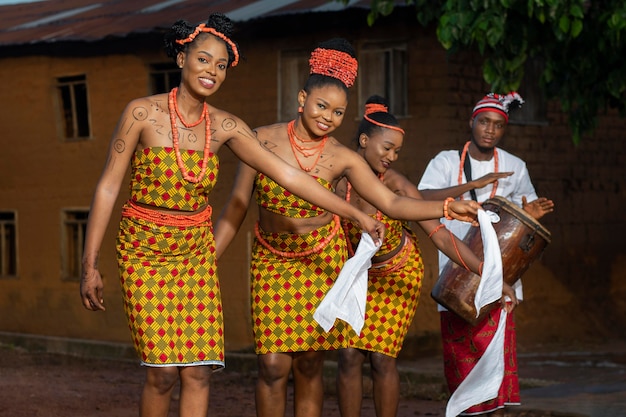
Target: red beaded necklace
[
  {"x": 173, "y": 109},
  {"x": 316, "y": 149},
  {"x": 462, "y": 164}
]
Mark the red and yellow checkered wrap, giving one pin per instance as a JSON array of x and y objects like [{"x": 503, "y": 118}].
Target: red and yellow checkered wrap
[
  {"x": 171, "y": 292},
  {"x": 273, "y": 197},
  {"x": 157, "y": 181},
  {"x": 286, "y": 291},
  {"x": 392, "y": 296}
]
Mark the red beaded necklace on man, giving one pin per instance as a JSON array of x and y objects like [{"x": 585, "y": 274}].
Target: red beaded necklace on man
[
  {"x": 173, "y": 109},
  {"x": 462, "y": 164}
]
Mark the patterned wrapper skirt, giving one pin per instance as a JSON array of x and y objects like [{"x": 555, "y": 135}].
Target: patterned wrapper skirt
[
  {"x": 286, "y": 291},
  {"x": 392, "y": 296},
  {"x": 464, "y": 345},
  {"x": 171, "y": 292}
]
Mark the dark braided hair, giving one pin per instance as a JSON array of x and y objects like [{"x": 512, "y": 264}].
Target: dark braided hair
[
  {"x": 369, "y": 128},
  {"x": 318, "y": 80},
  {"x": 181, "y": 29}
]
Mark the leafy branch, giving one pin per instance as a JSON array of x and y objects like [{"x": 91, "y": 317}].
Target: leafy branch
[{"x": 581, "y": 44}]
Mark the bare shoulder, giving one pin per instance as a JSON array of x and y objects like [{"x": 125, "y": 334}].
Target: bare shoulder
[
  {"x": 225, "y": 121},
  {"x": 270, "y": 131},
  {"x": 399, "y": 183},
  {"x": 145, "y": 107},
  {"x": 272, "y": 136},
  {"x": 145, "y": 117},
  {"x": 392, "y": 175},
  {"x": 148, "y": 100},
  {"x": 339, "y": 148},
  {"x": 227, "y": 128}
]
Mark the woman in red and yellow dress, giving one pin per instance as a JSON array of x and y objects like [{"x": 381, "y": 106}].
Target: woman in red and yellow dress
[
  {"x": 395, "y": 277},
  {"x": 165, "y": 245},
  {"x": 300, "y": 248}
]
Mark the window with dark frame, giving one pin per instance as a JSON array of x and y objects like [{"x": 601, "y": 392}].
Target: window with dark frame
[
  {"x": 292, "y": 74},
  {"x": 8, "y": 245},
  {"x": 74, "y": 107},
  {"x": 164, "y": 77},
  {"x": 74, "y": 229},
  {"x": 383, "y": 72}
]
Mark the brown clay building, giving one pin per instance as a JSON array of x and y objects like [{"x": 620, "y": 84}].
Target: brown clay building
[{"x": 70, "y": 67}]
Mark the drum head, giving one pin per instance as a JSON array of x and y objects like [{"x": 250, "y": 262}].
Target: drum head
[{"x": 500, "y": 203}]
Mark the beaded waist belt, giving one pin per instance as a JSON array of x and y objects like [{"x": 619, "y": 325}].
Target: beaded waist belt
[
  {"x": 133, "y": 210},
  {"x": 314, "y": 250}
]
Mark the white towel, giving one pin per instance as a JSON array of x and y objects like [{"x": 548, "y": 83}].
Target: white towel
[
  {"x": 490, "y": 286},
  {"x": 484, "y": 380},
  {"x": 346, "y": 299}
]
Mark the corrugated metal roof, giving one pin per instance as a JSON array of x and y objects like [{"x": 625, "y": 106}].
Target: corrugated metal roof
[{"x": 51, "y": 21}]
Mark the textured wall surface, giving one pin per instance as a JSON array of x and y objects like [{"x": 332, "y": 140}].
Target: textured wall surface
[{"x": 576, "y": 291}]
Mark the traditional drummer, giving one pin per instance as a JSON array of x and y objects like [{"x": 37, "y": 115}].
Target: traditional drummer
[{"x": 480, "y": 170}]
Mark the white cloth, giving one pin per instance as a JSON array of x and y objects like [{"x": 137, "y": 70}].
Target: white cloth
[
  {"x": 484, "y": 380},
  {"x": 443, "y": 172},
  {"x": 348, "y": 295},
  {"x": 490, "y": 286}
]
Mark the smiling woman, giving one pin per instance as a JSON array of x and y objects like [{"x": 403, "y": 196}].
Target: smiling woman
[
  {"x": 300, "y": 247},
  {"x": 165, "y": 247}
]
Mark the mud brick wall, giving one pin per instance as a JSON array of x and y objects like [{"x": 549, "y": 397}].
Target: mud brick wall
[{"x": 575, "y": 292}]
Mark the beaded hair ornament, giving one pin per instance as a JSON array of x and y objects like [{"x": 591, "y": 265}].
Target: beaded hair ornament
[
  {"x": 497, "y": 103},
  {"x": 202, "y": 27},
  {"x": 333, "y": 63},
  {"x": 371, "y": 108}
]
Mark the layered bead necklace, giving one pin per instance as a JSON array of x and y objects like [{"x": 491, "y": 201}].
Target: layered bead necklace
[
  {"x": 173, "y": 109},
  {"x": 462, "y": 164},
  {"x": 316, "y": 149}
]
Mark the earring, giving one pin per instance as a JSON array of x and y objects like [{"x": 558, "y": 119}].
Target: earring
[{"x": 301, "y": 109}]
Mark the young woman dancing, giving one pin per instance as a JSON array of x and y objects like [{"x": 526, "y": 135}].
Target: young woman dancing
[
  {"x": 395, "y": 278},
  {"x": 165, "y": 246},
  {"x": 300, "y": 248}
]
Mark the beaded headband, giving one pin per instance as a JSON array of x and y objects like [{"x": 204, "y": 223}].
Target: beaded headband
[
  {"x": 333, "y": 63},
  {"x": 371, "y": 108},
  {"x": 497, "y": 103},
  {"x": 203, "y": 28}
]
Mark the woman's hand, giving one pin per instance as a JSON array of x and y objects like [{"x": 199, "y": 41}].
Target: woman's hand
[
  {"x": 373, "y": 227},
  {"x": 465, "y": 211},
  {"x": 91, "y": 290}
]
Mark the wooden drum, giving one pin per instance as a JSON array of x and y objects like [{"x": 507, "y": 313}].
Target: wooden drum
[{"x": 522, "y": 240}]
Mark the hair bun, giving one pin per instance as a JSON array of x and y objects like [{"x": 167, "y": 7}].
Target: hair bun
[{"x": 335, "y": 58}]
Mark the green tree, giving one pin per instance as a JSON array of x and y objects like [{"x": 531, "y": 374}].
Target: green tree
[{"x": 580, "y": 43}]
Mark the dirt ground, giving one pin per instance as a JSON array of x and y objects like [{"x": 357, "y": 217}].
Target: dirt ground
[
  {"x": 36, "y": 384},
  {"x": 52, "y": 385}
]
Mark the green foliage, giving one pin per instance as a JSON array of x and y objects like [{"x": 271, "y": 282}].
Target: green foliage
[{"x": 581, "y": 44}]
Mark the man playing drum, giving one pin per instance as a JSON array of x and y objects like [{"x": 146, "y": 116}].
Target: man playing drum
[{"x": 497, "y": 173}]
